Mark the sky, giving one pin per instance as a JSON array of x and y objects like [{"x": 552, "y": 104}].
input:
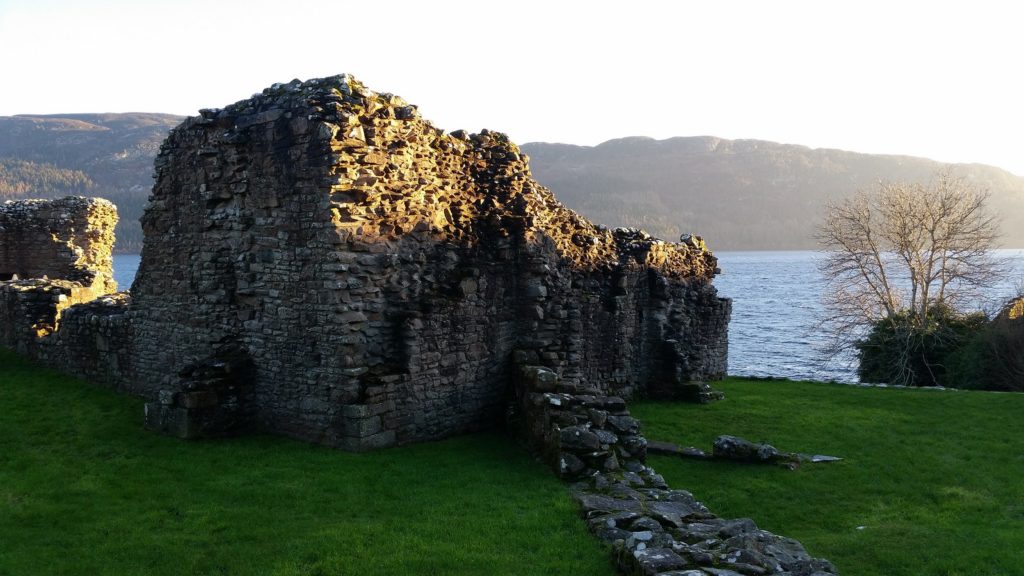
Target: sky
[{"x": 937, "y": 79}]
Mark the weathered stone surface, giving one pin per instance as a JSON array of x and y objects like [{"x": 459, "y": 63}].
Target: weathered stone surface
[
  {"x": 214, "y": 398},
  {"x": 605, "y": 504},
  {"x": 321, "y": 262},
  {"x": 736, "y": 448},
  {"x": 55, "y": 285},
  {"x": 66, "y": 239},
  {"x": 652, "y": 561},
  {"x": 362, "y": 257}
]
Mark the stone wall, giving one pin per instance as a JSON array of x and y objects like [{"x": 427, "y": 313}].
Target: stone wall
[
  {"x": 53, "y": 254},
  {"x": 386, "y": 277},
  {"x": 56, "y": 301},
  {"x": 381, "y": 279},
  {"x": 69, "y": 238},
  {"x": 321, "y": 262}
]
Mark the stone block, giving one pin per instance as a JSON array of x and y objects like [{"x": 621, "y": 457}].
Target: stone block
[
  {"x": 382, "y": 439},
  {"x": 362, "y": 427}
]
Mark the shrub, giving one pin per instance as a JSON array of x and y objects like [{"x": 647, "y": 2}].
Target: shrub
[
  {"x": 994, "y": 358},
  {"x": 908, "y": 350}
]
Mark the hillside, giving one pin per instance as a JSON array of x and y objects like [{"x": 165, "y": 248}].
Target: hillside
[
  {"x": 107, "y": 155},
  {"x": 740, "y": 194}
]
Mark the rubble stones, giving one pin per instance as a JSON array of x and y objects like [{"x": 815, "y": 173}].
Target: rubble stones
[
  {"x": 653, "y": 529},
  {"x": 736, "y": 448}
]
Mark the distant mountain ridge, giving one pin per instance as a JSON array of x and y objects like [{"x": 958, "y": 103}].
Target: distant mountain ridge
[
  {"x": 738, "y": 194},
  {"x": 106, "y": 155}
]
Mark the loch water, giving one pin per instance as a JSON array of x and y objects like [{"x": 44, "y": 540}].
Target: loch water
[{"x": 776, "y": 307}]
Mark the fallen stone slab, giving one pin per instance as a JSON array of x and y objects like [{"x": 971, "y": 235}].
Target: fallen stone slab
[
  {"x": 604, "y": 504},
  {"x": 738, "y": 449},
  {"x": 728, "y": 447},
  {"x": 670, "y": 449},
  {"x": 816, "y": 458}
]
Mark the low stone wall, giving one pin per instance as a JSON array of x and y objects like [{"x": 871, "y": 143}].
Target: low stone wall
[
  {"x": 29, "y": 309},
  {"x": 591, "y": 440},
  {"x": 95, "y": 342},
  {"x": 89, "y": 339}
]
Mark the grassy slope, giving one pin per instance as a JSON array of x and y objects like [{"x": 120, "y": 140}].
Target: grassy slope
[
  {"x": 936, "y": 479},
  {"x": 83, "y": 490}
]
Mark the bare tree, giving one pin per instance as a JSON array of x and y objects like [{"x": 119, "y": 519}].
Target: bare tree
[{"x": 905, "y": 250}]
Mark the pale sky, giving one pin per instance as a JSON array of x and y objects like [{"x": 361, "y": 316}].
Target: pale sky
[{"x": 944, "y": 80}]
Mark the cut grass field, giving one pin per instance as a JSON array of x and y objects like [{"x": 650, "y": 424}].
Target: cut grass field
[
  {"x": 932, "y": 482},
  {"x": 84, "y": 490}
]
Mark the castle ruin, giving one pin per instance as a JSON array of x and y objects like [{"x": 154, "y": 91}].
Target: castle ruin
[{"x": 321, "y": 262}]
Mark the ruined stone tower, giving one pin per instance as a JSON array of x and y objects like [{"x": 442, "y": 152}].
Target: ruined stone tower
[
  {"x": 53, "y": 255},
  {"x": 321, "y": 262}
]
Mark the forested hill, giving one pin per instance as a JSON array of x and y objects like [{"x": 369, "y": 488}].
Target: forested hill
[
  {"x": 739, "y": 194},
  {"x": 107, "y": 155}
]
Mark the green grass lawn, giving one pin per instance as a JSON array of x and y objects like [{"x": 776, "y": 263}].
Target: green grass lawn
[
  {"x": 936, "y": 480},
  {"x": 932, "y": 482},
  {"x": 84, "y": 490}
]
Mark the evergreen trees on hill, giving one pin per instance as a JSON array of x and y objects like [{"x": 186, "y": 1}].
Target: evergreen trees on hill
[
  {"x": 21, "y": 178},
  {"x": 106, "y": 155}
]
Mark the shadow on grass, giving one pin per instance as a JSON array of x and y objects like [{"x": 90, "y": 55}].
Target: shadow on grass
[{"x": 84, "y": 490}]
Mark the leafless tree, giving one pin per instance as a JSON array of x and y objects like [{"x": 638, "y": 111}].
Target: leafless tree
[{"x": 905, "y": 250}]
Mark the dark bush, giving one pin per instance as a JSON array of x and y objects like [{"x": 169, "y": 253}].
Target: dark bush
[
  {"x": 908, "y": 350},
  {"x": 994, "y": 358}
]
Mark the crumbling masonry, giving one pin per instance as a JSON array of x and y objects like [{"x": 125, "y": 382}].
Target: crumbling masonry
[
  {"x": 377, "y": 280},
  {"x": 321, "y": 262},
  {"x": 53, "y": 254}
]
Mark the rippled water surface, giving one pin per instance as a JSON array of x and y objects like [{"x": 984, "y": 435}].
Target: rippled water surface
[
  {"x": 125, "y": 267},
  {"x": 776, "y": 303}
]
